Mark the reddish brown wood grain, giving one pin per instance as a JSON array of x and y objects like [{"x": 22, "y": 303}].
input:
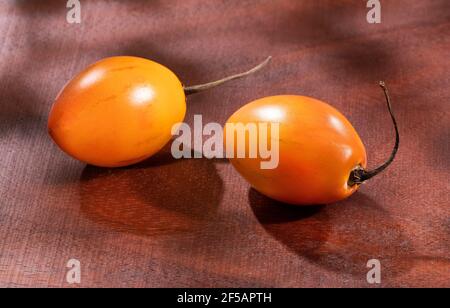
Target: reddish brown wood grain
[{"x": 196, "y": 223}]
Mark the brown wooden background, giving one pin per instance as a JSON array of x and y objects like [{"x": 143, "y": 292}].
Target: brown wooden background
[{"x": 196, "y": 223}]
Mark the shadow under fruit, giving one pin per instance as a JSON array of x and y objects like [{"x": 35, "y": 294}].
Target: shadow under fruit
[{"x": 157, "y": 197}]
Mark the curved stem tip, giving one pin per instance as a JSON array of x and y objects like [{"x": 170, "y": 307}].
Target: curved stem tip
[
  {"x": 359, "y": 175},
  {"x": 202, "y": 87}
]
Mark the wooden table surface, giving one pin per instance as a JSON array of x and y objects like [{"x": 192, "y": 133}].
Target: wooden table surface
[{"x": 197, "y": 223}]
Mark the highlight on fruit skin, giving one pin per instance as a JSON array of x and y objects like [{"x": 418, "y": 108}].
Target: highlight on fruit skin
[
  {"x": 121, "y": 110},
  {"x": 322, "y": 159}
]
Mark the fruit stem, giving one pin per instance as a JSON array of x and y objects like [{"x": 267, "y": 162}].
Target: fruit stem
[
  {"x": 202, "y": 87},
  {"x": 359, "y": 175}
]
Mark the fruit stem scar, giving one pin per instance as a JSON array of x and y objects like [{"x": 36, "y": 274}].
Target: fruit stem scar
[
  {"x": 359, "y": 175},
  {"x": 202, "y": 87}
]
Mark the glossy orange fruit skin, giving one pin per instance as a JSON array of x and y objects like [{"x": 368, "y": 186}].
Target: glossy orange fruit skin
[
  {"x": 117, "y": 112},
  {"x": 318, "y": 149}
]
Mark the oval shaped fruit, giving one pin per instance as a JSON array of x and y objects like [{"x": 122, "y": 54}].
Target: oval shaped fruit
[
  {"x": 117, "y": 112},
  {"x": 321, "y": 158},
  {"x": 121, "y": 110},
  {"x": 318, "y": 149}
]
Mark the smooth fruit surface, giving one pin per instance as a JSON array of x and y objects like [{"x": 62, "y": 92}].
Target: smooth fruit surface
[
  {"x": 318, "y": 149},
  {"x": 117, "y": 112}
]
